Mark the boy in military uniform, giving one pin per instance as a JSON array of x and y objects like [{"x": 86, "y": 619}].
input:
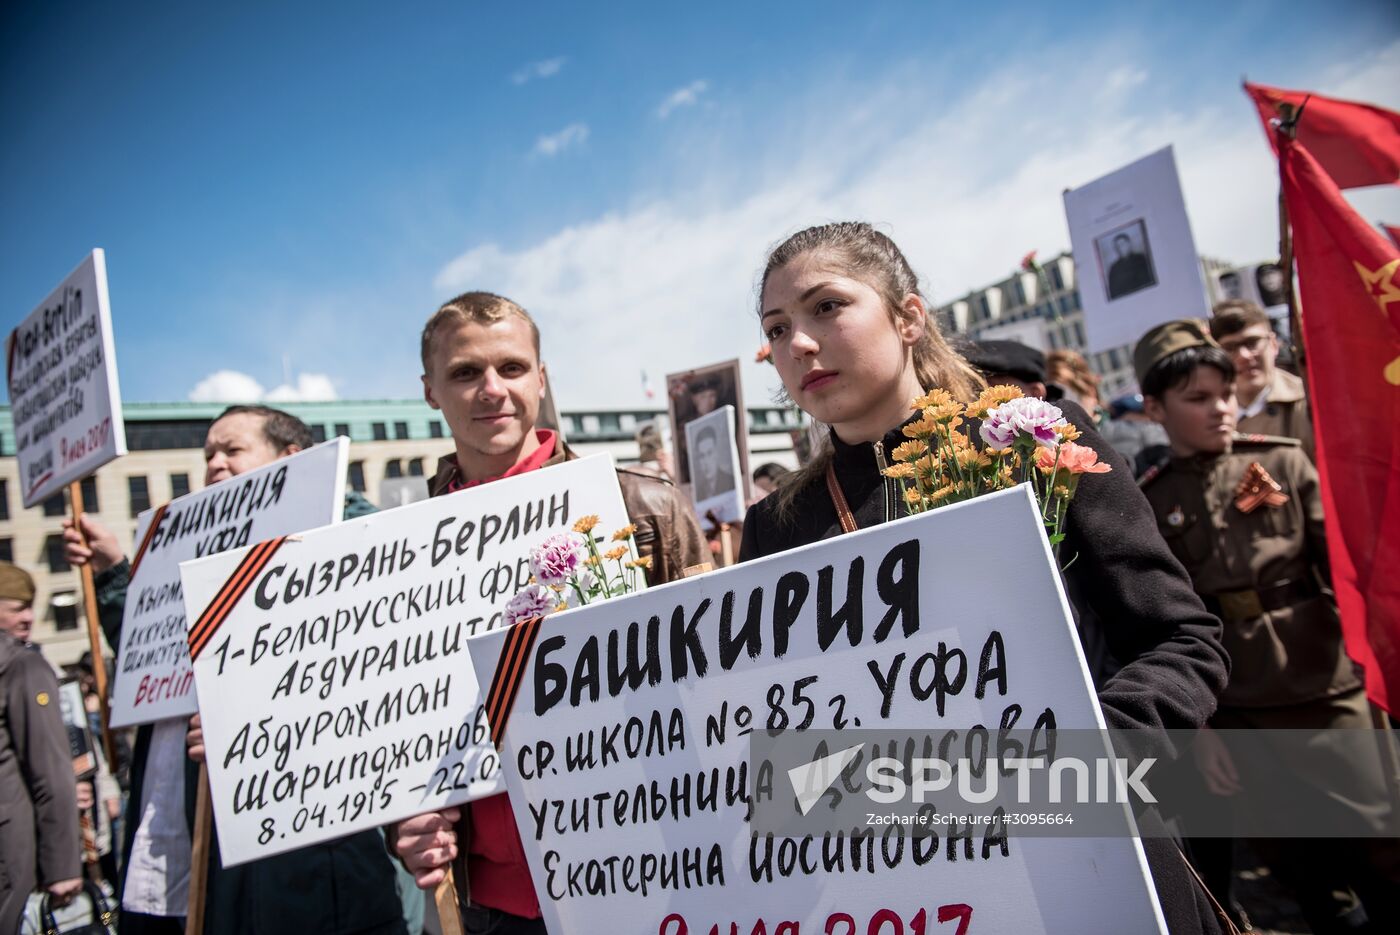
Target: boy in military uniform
[
  {"x": 1243, "y": 513},
  {"x": 1271, "y": 400}
]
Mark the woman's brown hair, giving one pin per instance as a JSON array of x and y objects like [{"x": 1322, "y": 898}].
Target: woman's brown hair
[{"x": 857, "y": 249}]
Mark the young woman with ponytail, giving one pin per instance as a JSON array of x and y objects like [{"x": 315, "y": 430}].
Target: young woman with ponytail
[{"x": 853, "y": 344}]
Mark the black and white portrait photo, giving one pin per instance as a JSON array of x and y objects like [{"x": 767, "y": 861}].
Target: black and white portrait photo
[
  {"x": 714, "y": 465},
  {"x": 1229, "y": 285},
  {"x": 693, "y": 394},
  {"x": 1126, "y": 260},
  {"x": 1272, "y": 288}
]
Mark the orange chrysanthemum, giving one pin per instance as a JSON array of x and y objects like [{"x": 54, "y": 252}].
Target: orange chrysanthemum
[
  {"x": 992, "y": 397},
  {"x": 933, "y": 398},
  {"x": 585, "y": 524},
  {"x": 922, "y": 429},
  {"x": 625, "y": 533},
  {"x": 944, "y": 412},
  {"x": 908, "y": 451}
]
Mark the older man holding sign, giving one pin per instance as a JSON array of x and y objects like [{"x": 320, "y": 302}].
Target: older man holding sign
[{"x": 254, "y": 490}]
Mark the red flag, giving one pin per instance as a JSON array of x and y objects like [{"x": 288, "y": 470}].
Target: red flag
[
  {"x": 1393, "y": 232},
  {"x": 1356, "y": 144},
  {"x": 1349, "y": 278}
]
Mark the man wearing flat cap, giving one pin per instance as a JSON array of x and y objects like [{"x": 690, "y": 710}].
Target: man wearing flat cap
[
  {"x": 39, "y": 839},
  {"x": 1243, "y": 513},
  {"x": 1008, "y": 362}
]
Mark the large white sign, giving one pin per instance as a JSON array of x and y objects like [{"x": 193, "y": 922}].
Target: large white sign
[
  {"x": 64, "y": 399},
  {"x": 346, "y": 650},
  {"x": 154, "y": 679},
  {"x": 1134, "y": 254},
  {"x": 626, "y": 748}
]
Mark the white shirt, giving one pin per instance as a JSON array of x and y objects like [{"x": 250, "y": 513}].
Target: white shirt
[
  {"x": 158, "y": 868},
  {"x": 1260, "y": 401}
]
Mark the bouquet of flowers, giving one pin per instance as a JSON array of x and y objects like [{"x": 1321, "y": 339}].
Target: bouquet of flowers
[
  {"x": 1026, "y": 441},
  {"x": 569, "y": 569}
]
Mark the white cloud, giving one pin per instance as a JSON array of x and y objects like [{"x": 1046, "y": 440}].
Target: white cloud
[
  {"x": 227, "y": 386},
  {"x": 230, "y": 386},
  {"x": 555, "y": 143},
  {"x": 545, "y": 68},
  {"x": 682, "y": 97},
  {"x": 966, "y": 183},
  {"x": 308, "y": 388}
]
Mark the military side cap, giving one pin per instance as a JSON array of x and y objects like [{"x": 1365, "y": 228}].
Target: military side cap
[
  {"x": 1165, "y": 340},
  {"x": 15, "y": 583},
  {"x": 1011, "y": 357}
]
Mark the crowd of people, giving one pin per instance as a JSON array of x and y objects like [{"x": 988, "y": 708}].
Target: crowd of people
[{"x": 1200, "y": 592}]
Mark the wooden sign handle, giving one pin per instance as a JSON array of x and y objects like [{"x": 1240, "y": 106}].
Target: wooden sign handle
[
  {"x": 449, "y": 918},
  {"x": 199, "y": 855},
  {"x": 99, "y": 661}
]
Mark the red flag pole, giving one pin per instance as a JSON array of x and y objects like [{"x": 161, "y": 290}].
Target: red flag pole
[{"x": 1288, "y": 125}]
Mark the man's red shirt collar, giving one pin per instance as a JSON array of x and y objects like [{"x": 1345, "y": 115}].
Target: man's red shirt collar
[{"x": 548, "y": 440}]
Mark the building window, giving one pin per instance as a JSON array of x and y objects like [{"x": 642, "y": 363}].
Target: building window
[
  {"x": 1114, "y": 361},
  {"x": 393, "y": 468},
  {"x": 400, "y": 430},
  {"x": 7, "y": 550},
  {"x": 53, "y": 553},
  {"x": 4, "y": 499},
  {"x": 179, "y": 485},
  {"x": 984, "y": 306},
  {"x": 380, "y": 431},
  {"x": 627, "y": 422},
  {"x": 65, "y": 610},
  {"x": 89, "y": 489},
  {"x": 435, "y": 429},
  {"x": 415, "y": 467},
  {"x": 140, "y": 494},
  {"x": 55, "y": 505},
  {"x": 1057, "y": 279},
  {"x": 591, "y": 425},
  {"x": 318, "y": 433},
  {"x": 1018, "y": 291},
  {"x": 342, "y": 428},
  {"x": 1079, "y": 333},
  {"x": 357, "y": 476}
]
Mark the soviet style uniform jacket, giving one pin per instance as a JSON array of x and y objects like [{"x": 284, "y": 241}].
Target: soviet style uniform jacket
[
  {"x": 1262, "y": 571},
  {"x": 39, "y": 842},
  {"x": 1285, "y": 413}
]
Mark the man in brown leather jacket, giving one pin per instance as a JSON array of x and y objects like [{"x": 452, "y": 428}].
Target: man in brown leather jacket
[{"x": 482, "y": 370}]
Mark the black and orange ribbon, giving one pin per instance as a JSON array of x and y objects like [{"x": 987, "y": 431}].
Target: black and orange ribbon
[
  {"x": 1258, "y": 489},
  {"x": 146, "y": 539},
  {"x": 505, "y": 684},
  {"x": 233, "y": 590}
]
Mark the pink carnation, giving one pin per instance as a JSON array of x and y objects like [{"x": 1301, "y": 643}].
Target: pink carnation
[
  {"x": 557, "y": 559},
  {"x": 1025, "y": 416},
  {"x": 535, "y": 600}
]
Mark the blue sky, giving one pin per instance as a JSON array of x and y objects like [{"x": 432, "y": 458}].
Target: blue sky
[{"x": 293, "y": 188}]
